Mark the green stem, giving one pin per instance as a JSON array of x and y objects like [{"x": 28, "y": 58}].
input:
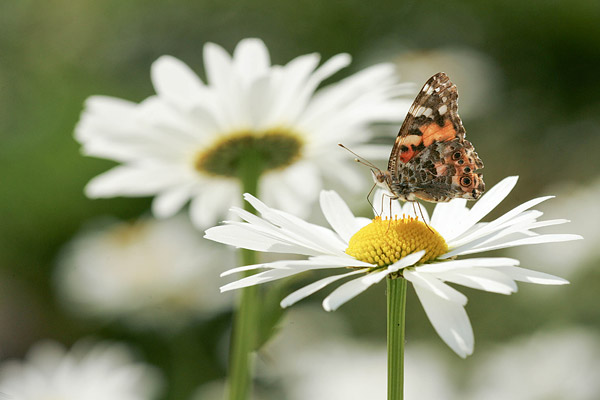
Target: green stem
[
  {"x": 246, "y": 317},
  {"x": 396, "y": 304}
]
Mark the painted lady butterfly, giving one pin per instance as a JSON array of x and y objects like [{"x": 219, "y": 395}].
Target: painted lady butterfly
[{"x": 431, "y": 160}]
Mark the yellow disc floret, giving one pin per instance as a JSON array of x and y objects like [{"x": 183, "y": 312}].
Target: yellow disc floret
[{"x": 383, "y": 242}]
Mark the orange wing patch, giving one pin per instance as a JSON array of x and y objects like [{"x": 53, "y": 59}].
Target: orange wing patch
[
  {"x": 431, "y": 132},
  {"x": 434, "y": 133}
]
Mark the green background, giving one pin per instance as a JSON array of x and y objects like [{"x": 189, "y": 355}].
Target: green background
[{"x": 542, "y": 123}]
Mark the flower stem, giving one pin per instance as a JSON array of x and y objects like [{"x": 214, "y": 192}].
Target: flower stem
[
  {"x": 246, "y": 316},
  {"x": 396, "y": 304}
]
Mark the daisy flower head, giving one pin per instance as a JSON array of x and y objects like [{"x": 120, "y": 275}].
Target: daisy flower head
[
  {"x": 88, "y": 371},
  {"x": 147, "y": 273},
  {"x": 427, "y": 254},
  {"x": 193, "y": 139}
]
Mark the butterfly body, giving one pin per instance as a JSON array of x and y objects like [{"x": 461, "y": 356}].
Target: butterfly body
[{"x": 431, "y": 160}]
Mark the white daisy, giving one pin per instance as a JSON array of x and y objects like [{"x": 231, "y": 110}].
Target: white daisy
[
  {"x": 86, "y": 372},
  {"x": 188, "y": 141},
  {"x": 149, "y": 273},
  {"x": 423, "y": 254}
]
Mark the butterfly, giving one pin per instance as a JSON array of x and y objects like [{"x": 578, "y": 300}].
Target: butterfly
[{"x": 431, "y": 160}]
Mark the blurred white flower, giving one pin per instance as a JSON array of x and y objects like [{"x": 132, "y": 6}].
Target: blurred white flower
[
  {"x": 354, "y": 370},
  {"x": 186, "y": 141},
  {"x": 580, "y": 203},
  {"x": 157, "y": 273},
  {"x": 548, "y": 365},
  {"x": 86, "y": 372},
  {"x": 374, "y": 250},
  {"x": 323, "y": 363}
]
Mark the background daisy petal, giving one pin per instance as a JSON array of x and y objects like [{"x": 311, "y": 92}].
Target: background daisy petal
[{"x": 175, "y": 81}]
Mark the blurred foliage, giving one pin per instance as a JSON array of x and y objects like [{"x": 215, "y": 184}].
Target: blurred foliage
[{"x": 544, "y": 126}]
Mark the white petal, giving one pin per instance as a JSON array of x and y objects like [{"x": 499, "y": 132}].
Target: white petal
[
  {"x": 550, "y": 238},
  {"x": 329, "y": 67},
  {"x": 338, "y": 214},
  {"x": 338, "y": 96},
  {"x": 467, "y": 263},
  {"x": 175, "y": 81},
  {"x": 251, "y": 59},
  {"x": 407, "y": 261},
  {"x": 217, "y": 65},
  {"x": 351, "y": 289},
  {"x": 313, "y": 287},
  {"x": 169, "y": 202},
  {"x": 490, "y": 280},
  {"x": 312, "y": 263},
  {"x": 488, "y": 202},
  {"x": 528, "y": 275},
  {"x": 211, "y": 204},
  {"x": 303, "y": 96},
  {"x": 385, "y": 205},
  {"x": 294, "y": 76},
  {"x": 447, "y": 217},
  {"x": 127, "y": 180},
  {"x": 436, "y": 286},
  {"x": 414, "y": 209},
  {"x": 450, "y": 321},
  {"x": 262, "y": 277},
  {"x": 311, "y": 235},
  {"x": 342, "y": 260},
  {"x": 499, "y": 222},
  {"x": 256, "y": 238}
]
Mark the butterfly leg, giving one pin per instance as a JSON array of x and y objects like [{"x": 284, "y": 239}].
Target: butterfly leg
[{"x": 421, "y": 212}]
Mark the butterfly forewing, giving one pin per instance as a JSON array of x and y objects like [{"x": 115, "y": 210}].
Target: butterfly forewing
[{"x": 431, "y": 159}]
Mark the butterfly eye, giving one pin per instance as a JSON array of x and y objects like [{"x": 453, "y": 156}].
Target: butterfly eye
[
  {"x": 456, "y": 156},
  {"x": 465, "y": 181}
]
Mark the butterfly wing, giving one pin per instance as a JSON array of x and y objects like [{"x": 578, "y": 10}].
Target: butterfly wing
[{"x": 431, "y": 159}]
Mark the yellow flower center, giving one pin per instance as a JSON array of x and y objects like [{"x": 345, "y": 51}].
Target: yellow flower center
[
  {"x": 276, "y": 148},
  {"x": 383, "y": 242}
]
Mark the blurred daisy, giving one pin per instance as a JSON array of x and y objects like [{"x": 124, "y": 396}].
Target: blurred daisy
[
  {"x": 354, "y": 370},
  {"x": 86, "y": 372},
  {"x": 187, "y": 141},
  {"x": 563, "y": 364},
  {"x": 324, "y": 362},
  {"x": 157, "y": 273},
  {"x": 423, "y": 254}
]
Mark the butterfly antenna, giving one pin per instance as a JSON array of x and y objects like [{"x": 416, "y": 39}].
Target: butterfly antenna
[{"x": 360, "y": 159}]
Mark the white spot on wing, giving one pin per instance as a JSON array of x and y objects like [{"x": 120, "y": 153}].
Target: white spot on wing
[
  {"x": 442, "y": 110},
  {"x": 428, "y": 112}
]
